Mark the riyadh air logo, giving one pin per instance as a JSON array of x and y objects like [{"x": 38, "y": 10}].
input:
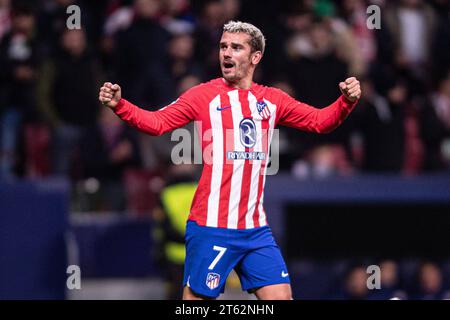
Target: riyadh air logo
[
  {"x": 212, "y": 280},
  {"x": 248, "y": 132},
  {"x": 263, "y": 110}
]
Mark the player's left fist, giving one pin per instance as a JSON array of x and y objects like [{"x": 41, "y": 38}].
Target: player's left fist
[{"x": 350, "y": 89}]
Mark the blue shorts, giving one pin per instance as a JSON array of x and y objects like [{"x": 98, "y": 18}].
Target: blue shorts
[{"x": 211, "y": 254}]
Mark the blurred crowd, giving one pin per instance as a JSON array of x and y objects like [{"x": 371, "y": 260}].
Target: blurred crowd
[
  {"x": 51, "y": 122},
  {"x": 425, "y": 280},
  {"x": 399, "y": 280}
]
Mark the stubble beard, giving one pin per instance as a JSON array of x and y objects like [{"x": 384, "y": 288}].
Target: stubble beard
[{"x": 240, "y": 73}]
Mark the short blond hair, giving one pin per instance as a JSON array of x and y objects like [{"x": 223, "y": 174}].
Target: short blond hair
[{"x": 257, "y": 40}]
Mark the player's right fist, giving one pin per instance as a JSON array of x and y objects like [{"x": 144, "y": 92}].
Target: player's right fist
[{"x": 110, "y": 94}]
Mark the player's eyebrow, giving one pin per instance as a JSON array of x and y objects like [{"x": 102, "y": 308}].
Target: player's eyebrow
[{"x": 234, "y": 44}]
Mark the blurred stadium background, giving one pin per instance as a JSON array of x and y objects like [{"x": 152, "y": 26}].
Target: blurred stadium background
[{"x": 77, "y": 187}]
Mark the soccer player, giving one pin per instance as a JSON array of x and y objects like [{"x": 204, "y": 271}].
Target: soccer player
[{"x": 227, "y": 226}]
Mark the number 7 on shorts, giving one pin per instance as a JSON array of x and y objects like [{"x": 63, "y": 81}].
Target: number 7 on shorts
[{"x": 219, "y": 255}]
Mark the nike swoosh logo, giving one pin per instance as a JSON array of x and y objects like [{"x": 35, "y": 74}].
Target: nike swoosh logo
[
  {"x": 284, "y": 274},
  {"x": 223, "y": 108}
]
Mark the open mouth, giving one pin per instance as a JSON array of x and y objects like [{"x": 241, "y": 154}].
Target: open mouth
[{"x": 228, "y": 65}]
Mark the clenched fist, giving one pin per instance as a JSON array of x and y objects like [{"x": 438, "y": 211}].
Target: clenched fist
[
  {"x": 110, "y": 94},
  {"x": 350, "y": 89}
]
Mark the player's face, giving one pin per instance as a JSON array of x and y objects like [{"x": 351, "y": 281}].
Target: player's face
[{"x": 236, "y": 57}]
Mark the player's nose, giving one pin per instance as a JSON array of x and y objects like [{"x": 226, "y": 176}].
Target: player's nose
[{"x": 227, "y": 53}]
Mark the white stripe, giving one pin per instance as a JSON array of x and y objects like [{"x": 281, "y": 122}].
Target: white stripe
[
  {"x": 256, "y": 166},
  {"x": 273, "y": 108},
  {"x": 238, "y": 165},
  {"x": 216, "y": 163}
]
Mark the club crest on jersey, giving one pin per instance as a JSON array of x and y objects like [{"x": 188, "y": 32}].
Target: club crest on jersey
[
  {"x": 263, "y": 110},
  {"x": 247, "y": 130},
  {"x": 212, "y": 280}
]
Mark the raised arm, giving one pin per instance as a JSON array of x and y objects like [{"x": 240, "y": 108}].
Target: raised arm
[
  {"x": 155, "y": 123},
  {"x": 305, "y": 117}
]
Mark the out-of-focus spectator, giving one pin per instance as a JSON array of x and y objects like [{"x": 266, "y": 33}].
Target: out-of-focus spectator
[
  {"x": 115, "y": 146},
  {"x": 314, "y": 75},
  {"x": 207, "y": 36},
  {"x": 298, "y": 23},
  {"x": 182, "y": 63},
  {"x": 322, "y": 162},
  {"x": 51, "y": 24},
  {"x": 389, "y": 282},
  {"x": 53, "y": 17},
  {"x": 365, "y": 40},
  {"x": 141, "y": 63},
  {"x": 379, "y": 122},
  {"x": 430, "y": 283},
  {"x": 345, "y": 40},
  {"x": 341, "y": 40},
  {"x": 68, "y": 95},
  {"x": 118, "y": 17},
  {"x": 232, "y": 9},
  {"x": 412, "y": 24},
  {"x": 178, "y": 18},
  {"x": 440, "y": 48},
  {"x": 5, "y": 17},
  {"x": 435, "y": 127},
  {"x": 355, "y": 284},
  {"x": 18, "y": 77},
  {"x": 272, "y": 66}
]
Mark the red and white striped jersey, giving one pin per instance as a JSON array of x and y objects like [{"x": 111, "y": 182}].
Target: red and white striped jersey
[{"x": 235, "y": 127}]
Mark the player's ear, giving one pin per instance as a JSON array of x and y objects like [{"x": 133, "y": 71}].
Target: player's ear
[{"x": 256, "y": 57}]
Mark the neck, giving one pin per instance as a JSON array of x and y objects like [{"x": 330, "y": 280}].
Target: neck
[{"x": 243, "y": 84}]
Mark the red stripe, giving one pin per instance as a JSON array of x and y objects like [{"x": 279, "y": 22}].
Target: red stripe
[
  {"x": 199, "y": 209},
  {"x": 227, "y": 172},
  {"x": 265, "y": 141},
  {"x": 247, "y": 172}
]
